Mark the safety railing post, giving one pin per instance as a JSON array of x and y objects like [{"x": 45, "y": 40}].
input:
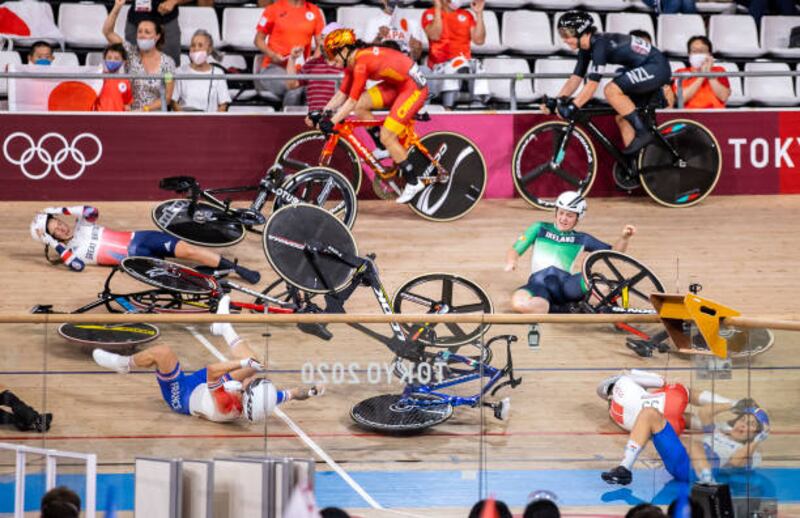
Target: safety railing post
[
  {"x": 514, "y": 93},
  {"x": 19, "y": 485}
]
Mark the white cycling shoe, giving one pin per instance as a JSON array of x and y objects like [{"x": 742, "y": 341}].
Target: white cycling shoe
[
  {"x": 380, "y": 154},
  {"x": 410, "y": 190}
]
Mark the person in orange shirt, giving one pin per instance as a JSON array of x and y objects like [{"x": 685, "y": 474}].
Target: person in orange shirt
[
  {"x": 703, "y": 92},
  {"x": 116, "y": 95},
  {"x": 284, "y": 25},
  {"x": 451, "y": 32},
  {"x": 402, "y": 89}
]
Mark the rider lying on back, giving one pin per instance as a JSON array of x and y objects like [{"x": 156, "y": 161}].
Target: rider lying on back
[
  {"x": 551, "y": 288},
  {"x": 402, "y": 90},
  {"x": 645, "y": 70},
  {"x": 90, "y": 243}
]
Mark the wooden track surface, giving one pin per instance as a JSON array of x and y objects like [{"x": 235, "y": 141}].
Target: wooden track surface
[{"x": 741, "y": 249}]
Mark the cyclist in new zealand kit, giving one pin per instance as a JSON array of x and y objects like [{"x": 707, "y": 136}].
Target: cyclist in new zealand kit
[
  {"x": 552, "y": 288},
  {"x": 402, "y": 90},
  {"x": 645, "y": 71}
]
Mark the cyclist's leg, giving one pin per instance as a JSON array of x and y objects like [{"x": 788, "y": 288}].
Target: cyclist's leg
[
  {"x": 184, "y": 250},
  {"x": 410, "y": 99},
  {"x": 536, "y": 296},
  {"x": 375, "y": 98}
]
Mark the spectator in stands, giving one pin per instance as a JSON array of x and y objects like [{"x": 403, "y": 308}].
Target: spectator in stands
[
  {"x": 391, "y": 28},
  {"x": 759, "y": 8},
  {"x": 317, "y": 92},
  {"x": 116, "y": 94},
  {"x": 61, "y": 502},
  {"x": 645, "y": 511},
  {"x": 196, "y": 95},
  {"x": 666, "y": 91},
  {"x": 672, "y": 6},
  {"x": 542, "y": 504},
  {"x": 451, "y": 31},
  {"x": 703, "y": 92},
  {"x": 283, "y": 26},
  {"x": 160, "y": 12},
  {"x": 143, "y": 58},
  {"x": 21, "y": 415},
  {"x": 41, "y": 53},
  {"x": 500, "y": 510}
]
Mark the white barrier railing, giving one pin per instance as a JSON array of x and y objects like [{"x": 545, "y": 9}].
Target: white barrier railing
[{"x": 51, "y": 467}]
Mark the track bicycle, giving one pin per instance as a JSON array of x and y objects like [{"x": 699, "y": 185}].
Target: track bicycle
[
  {"x": 678, "y": 169},
  {"x": 450, "y": 164},
  {"x": 202, "y": 218}
]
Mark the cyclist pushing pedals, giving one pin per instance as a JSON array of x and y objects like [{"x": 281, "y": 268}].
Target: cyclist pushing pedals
[
  {"x": 402, "y": 90},
  {"x": 644, "y": 71}
]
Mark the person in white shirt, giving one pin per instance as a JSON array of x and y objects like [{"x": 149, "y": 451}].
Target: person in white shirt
[
  {"x": 391, "y": 26},
  {"x": 198, "y": 95}
]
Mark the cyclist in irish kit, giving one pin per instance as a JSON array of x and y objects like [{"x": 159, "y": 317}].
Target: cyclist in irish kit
[
  {"x": 89, "y": 243},
  {"x": 552, "y": 288},
  {"x": 402, "y": 90},
  {"x": 645, "y": 70}
]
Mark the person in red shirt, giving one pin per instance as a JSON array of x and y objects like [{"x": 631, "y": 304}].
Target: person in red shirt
[
  {"x": 402, "y": 89},
  {"x": 451, "y": 32},
  {"x": 116, "y": 95},
  {"x": 703, "y": 92},
  {"x": 284, "y": 25},
  {"x": 317, "y": 91}
]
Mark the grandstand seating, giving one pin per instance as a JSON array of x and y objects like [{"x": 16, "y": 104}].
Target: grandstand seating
[
  {"x": 734, "y": 35},
  {"x": 239, "y": 26},
  {"x": 674, "y": 30},
  {"x": 356, "y": 17},
  {"x": 7, "y": 58},
  {"x": 770, "y": 91},
  {"x": 191, "y": 18},
  {"x": 69, "y": 59},
  {"x": 492, "y": 45},
  {"x": 551, "y": 87},
  {"x": 82, "y": 24},
  {"x": 775, "y": 32},
  {"x": 527, "y": 32},
  {"x": 501, "y": 90},
  {"x": 626, "y": 22}
]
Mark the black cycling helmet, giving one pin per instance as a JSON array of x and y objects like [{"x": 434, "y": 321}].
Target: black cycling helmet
[{"x": 576, "y": 22}]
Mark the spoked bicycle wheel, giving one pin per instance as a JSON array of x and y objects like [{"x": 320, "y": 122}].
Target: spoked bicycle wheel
[
  {"x": 289, "y": 237},
  {"x": 394, "y": 414},
  {"x": 168, "y": 276},
  {"x": 209, "y": 226},
  {"x": 686, "y": 182},
  {"x": 617, "y": 280},
  {"x": 323, "y": 187},
  {"x": 442, "y": 293},
  {"x": 455, "y": 198},
  {"x": 305, "y": 150},
  {"x": 540, "y": 176}
]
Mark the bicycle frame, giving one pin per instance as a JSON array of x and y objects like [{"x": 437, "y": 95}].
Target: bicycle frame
[{"x": 478, "y": 371}]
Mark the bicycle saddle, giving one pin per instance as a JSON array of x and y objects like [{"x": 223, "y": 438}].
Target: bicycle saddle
[{"x": 177, "y": 183}]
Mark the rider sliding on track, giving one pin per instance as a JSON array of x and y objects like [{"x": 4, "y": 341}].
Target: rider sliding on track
[{"x": 90, "y": 243}]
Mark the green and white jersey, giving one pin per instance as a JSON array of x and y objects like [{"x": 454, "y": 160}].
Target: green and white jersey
[{"x": 552, "y": 247}]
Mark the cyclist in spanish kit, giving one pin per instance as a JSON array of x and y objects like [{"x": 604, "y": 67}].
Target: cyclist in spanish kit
[
  {"x": 552, "y": 288},
  {"x": 89, "y": 243},
  {"x": 644, "y": 71},
  {"x": 402, "y": 90}
]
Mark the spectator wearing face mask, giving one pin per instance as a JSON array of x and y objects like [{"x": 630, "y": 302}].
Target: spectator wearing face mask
[
  {"x": 116, "y": 94},
  {"x": 202, "y": 95},
  {"x": 160, "y": 12},
  {"x": 703, "y": 92},
  {"x": 41, "y": 54},
  {"x": 144, "y": 58},
  {"x": 390, "y": 27}
]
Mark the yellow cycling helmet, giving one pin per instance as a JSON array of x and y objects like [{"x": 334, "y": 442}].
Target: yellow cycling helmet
[{"x": 337, "y": 40}]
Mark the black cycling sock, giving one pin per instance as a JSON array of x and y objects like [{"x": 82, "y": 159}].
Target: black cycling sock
[
  {"x": 6, "y": 417},
  {"x": 24, "y": 416},
  {"x": 375, "y": 133},
  {"x": 225, "y": 264},
  {"x": 250, "y": 276},
  {"x": 636, "y": 121},
  {"x": 407, "y": 171}
]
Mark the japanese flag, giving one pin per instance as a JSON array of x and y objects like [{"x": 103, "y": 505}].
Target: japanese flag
[
  {"x": 53, "y": 94},
  {"x": 28, "y": 20}
]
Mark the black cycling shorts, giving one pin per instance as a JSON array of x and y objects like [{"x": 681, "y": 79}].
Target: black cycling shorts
[{"x": 647, "y": 78}]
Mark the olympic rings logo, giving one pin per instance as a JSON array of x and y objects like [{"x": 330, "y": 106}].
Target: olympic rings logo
[{"x": 38, "y": 150}]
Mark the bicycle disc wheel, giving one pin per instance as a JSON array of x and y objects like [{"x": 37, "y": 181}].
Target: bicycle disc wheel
[
  {"x": 292, "y": 231},
  {"x": 211, "y": 228},
  {"x": 325, "y": 188},
  {"x": 689, "y": 182},
  {"x": 168, "y": 276},
  {"x": 161, "y": 301},
  {"x": 305, "y": 150},
  {"x": 391, "y": 413},
  {"x": 442, "y": 293},
  {"x": 455, "y": 198},
  {"x": 535, "y": 176},
  {"x": 618, "y": 280}
]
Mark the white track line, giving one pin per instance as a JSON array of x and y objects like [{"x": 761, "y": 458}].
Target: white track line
[{"x": 313, "y": 446}]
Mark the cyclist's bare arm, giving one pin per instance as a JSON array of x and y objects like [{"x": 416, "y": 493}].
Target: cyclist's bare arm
[
  {"x": 586, "y": 93},
  {"x": 338, "y": 98},
  {"x": 622, "y": 243},
  {"x": 567, "y": 90},
  {"x": 343, "y": 111}
]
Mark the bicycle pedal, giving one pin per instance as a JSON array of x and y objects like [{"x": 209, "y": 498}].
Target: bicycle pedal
[
  {"x": 502, "y": 409},
  {"x": 318, "y": 330},
  {"x": 42, "y": 308}
]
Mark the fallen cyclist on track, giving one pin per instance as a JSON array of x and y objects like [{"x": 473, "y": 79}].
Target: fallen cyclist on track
[
  {"x": 403, "y": 91},
  {"x": 90, "y": 243},
  {"x": 221, "y": 392},
  {"x": 552, "y": 288},
  {"x": 645, "y": 405}
]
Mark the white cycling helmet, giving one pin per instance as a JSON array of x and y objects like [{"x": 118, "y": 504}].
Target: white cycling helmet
[
  {"x": 39, "y": 223},
  {"x": 571, "y": 201},
  {"x": 259, "y": 400}
]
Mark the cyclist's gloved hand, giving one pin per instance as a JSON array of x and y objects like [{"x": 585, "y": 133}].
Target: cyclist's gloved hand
[
  {"x": 326, "y": 126},
  {"x": 566, "y": 108},
  {"x": 315, "y": 116},
  {"x": 551, "y": 103}
]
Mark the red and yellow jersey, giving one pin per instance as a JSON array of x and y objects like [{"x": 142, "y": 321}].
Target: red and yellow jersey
[
  {"x": 456, "y": 37},
  {"x": 378, "y": 64},
  {"x": 289, "y": 26}
]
